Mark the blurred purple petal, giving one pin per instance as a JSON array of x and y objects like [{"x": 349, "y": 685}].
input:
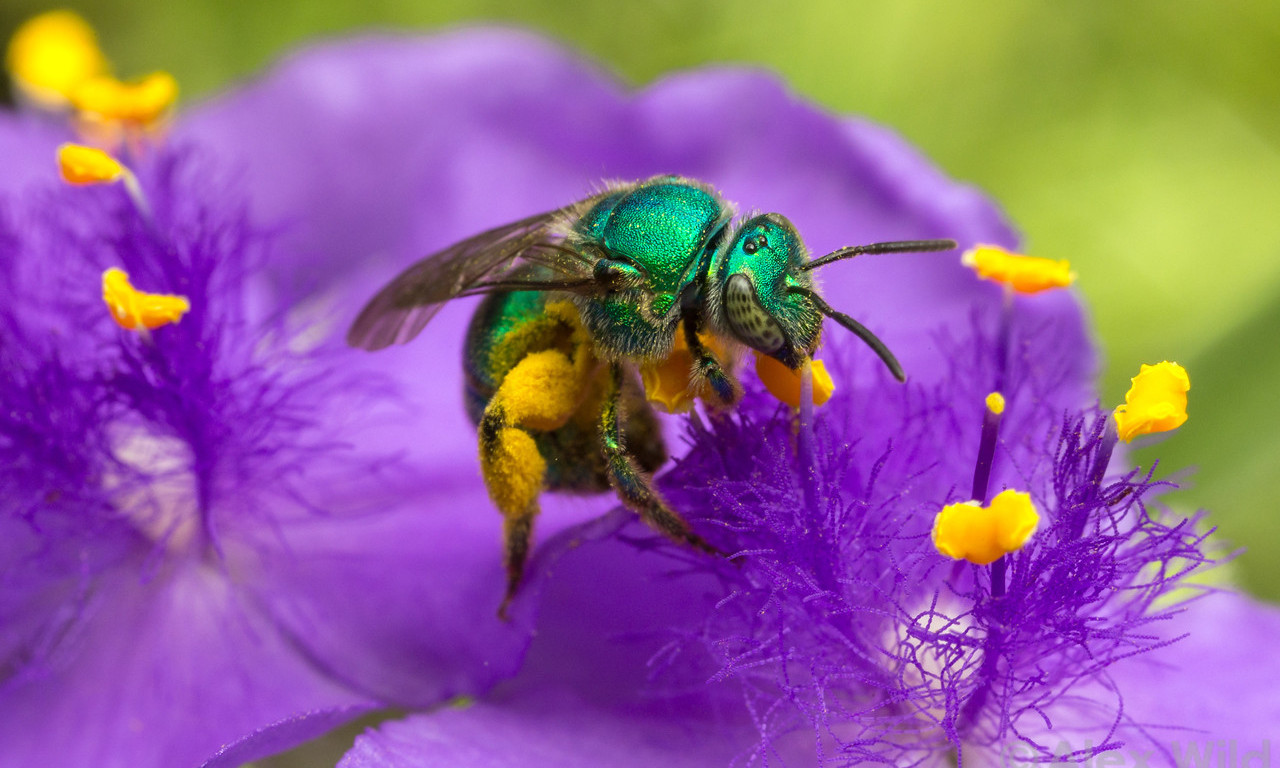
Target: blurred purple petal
[
  {"x": 1209, "y": 699},
  {"x": 28, "y": 144},
  {"x": 161, "y": 672},
  {"x": 402, "y": 604},
  {"x": 577, "y": 700},
  {"x": 412, "y": 143},
  {"x": 282, "y": 735},
  {"x": 551, "y": 730}
]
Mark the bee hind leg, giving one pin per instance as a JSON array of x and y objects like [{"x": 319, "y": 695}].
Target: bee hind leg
[
  {"x": 630, "y": 483},
  {"x": 540, "y": 392},
  {"x": 513, "y": 474}
]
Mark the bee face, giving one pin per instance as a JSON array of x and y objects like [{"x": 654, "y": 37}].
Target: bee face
[{"x": 753, "y": 291}]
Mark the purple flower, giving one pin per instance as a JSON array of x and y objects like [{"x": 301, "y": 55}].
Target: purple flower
[
  {"x": 344, "y": 555},
  {"x": 843, "y": 636}
]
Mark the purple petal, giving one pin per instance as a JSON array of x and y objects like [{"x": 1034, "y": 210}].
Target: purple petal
[
  {"x": 552, "y": 730},
  {"x": 1211, "y": 694},
  {"x": 283, "y": 735},
  {"x": 28, "y": 145},
  {"x": 403, "y": 605},
  {"x": 162, "y": 672},
  {"x": 410, "y": 144},
  {"x": 578, "y": 699}
]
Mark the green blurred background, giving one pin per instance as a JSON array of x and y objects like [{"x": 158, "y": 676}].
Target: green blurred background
[{"x": 1138, "y": 139}]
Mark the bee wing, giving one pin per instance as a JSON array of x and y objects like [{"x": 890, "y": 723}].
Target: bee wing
[{"x": 404, "y": 306}]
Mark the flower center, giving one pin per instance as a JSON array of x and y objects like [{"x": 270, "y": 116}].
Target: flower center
[{"x": 155, "y": 489}]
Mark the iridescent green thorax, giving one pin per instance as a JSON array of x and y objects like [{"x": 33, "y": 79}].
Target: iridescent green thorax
[{"x": 651, "y": 240}]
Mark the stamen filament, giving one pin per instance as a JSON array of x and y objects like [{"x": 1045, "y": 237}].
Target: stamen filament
[
  {"x": 1004, "y": 338},
  {"x": 1093, "y": 488},
  {"x": 987, "y": 447},
  {"x": 804, "y": 437},
  {"x": 998, "y": 569},
  {"x": 137, "y": 196}
]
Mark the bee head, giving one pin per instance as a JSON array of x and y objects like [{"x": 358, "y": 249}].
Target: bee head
[
  {"x": 756, "y": 287},
  {"x": 763, "y": 293}
]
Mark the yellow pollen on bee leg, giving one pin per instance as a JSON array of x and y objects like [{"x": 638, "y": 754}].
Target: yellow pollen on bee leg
[
  {"x": 132, "y": 309},
  {"x": 784, "y": 383},
  {"x": 515, "y": 475},
  {"x": 1156, "y": 402},
  {"x": 51, "y": 54},
  {"x": 982, "y": 535},
  {"x": 1024, "y": 274},
  {"x": 995, "y": 403},
  {"x": 542, "y": 391},
  {"x": 143, "y": 101},
  {"x": 80, "y": 165}
]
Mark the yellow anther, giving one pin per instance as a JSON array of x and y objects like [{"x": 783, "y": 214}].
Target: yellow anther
[
  {"x": 982, "y": 535},
  {"x": 784, "y": 383},
  {"x": 85, "y": 165},
  {"x": 995, "y": 403},
  {"x": 51, "y": 54},
  {"x": 133, "y": 309},
  {"x": 1025, "y": 274},
  {"x": 1157, "y": 401},
  {"x": 667, "y": 383},
  {"x": 142, "y": 101}
]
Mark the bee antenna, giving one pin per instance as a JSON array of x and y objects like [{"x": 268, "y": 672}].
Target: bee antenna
[
  {"x": 859, "y": 330},
  {"x": 897, "y": 246}
]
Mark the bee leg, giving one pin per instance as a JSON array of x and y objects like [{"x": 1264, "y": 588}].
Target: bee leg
[
  {"x": 707, "y": 368},
  {"x": 631, "y": 485},
  {"x": 513, "y": 473},
  {"x": 540, "y": 392}
]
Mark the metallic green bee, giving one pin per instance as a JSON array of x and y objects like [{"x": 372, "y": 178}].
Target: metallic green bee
[{"x": 576, "y": 298}]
